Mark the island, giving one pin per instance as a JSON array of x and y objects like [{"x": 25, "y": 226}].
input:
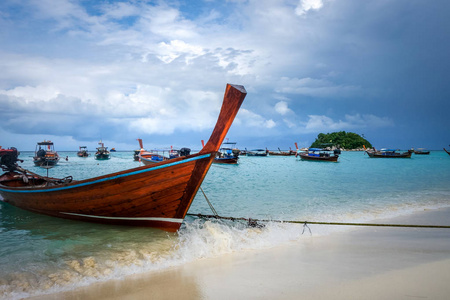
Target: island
[{"x": 341, "y": 140}]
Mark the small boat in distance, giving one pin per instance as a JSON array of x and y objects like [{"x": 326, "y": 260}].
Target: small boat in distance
[
  {"x": 113, "y": 150},
  {"x": 83, "y": 152},
  {"x": 45, "y": 154},
  {"x": 387, "y": 153},
  {"x": 256, "y": 152},
  {"x": 157, "y": 196},
  {"x": 146, "y": 157},
  {"x": 280, "y": 153},
  {"x": 422, "y": 151},
  {"x": 318, "y": 154},
  {"x": 102, "y": 152},
  {"x": 228, "y": 154},
  {"x": 156, "y": 156}
]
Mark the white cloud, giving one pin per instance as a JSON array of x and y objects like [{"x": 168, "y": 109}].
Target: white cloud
[
  {"x": 306, "y": 5},
  {"x": 282, "y": 108},
  {"x": 167, "y": 52},
  {"x": 250, "y": 119}
]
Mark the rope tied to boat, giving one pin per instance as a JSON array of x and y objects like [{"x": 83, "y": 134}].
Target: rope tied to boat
[
  {"x": 254, "y": 222},
  {"x": 306, "y": 226},
  {"x": 210, "y": 205},
  {"x": 305, "y": 223}
]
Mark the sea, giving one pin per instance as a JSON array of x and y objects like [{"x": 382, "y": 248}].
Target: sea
[{"x": 41, "y": 255}]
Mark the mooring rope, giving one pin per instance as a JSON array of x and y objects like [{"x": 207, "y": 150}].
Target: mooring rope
[
  {"x": 305, "y": 223},
  {"x": 210, "y": 205}
]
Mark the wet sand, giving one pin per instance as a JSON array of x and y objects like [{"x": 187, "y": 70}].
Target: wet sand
[{"x": 363, "y": 263}]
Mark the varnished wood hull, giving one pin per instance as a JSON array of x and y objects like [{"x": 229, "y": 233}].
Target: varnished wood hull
[
  {"x": 145, "y": 196},
  {"x": 156, "y": 196}
]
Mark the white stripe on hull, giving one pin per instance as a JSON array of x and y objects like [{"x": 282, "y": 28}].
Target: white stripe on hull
[{"x": 171, "y": 220}]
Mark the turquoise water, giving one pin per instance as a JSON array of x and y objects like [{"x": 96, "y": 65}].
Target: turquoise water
[{"x": 40, "y": 254}]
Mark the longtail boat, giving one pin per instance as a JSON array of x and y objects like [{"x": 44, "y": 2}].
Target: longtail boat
[
  {"x": 421, "y": 151},
  {"x": 45, "y": 154},
  {"x": 156, "y": 156},
  {"x": 102, "y": 152},
  {"x": 157, "y": 195},
  {"x": 256, "y": 152},
  {"x": 227, "y": 154},
  {"x": 280, "y": 153},
  {"x": 83, "y": 152},
  {"x": 149, "y": 157},
  {"x": 387, "y": 153},
  {"x": 318, "y": 154}
]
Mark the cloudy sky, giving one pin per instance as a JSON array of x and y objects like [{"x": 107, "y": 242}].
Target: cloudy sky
[{"x": 77, "y": 71}]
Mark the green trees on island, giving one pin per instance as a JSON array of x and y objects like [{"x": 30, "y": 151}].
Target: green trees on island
[{"x": 341, "y": 139}]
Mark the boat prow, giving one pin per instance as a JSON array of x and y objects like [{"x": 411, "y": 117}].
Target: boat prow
[{"x": 157, "y": 195}]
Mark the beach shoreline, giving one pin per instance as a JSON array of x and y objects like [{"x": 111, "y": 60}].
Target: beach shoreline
[{"x": 361, "y": 263}]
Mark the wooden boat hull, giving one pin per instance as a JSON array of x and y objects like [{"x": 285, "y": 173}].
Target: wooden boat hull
[
  {"x": 102, "y": 156},
  {"x": 156, "y": 196},
  {"x": 226, "y": 160},
  {"x": 256, "y": 154},
  {"x": 42, "y": 161},
  {"x": 305, "y": 156},
  {"x": 279, "y": 153},
  {"x": 387, "y": 155},
  {"x": 151, "y": 161}
]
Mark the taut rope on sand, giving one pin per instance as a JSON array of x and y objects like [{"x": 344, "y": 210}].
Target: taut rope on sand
[{"x": 305, "y": 223}]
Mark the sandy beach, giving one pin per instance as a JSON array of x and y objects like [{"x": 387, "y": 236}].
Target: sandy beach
[{"x": 362, "y": 263}]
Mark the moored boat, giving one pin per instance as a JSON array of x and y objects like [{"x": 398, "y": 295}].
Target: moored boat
[
  {"x": 279, "y": 153},
  {"x": 387, "y": 153},
  {"x": 45, "y": 154},
  {"x": 256, "y": 152},
  {"x": 102, "y": 152},
  {"x": 83, "y": 152},
  {"x": 228, "y": 154},
  {"x": 318, "y": 154},
  {"x": 156, "y": 156},
  {"x": 421, "y": 151},
  {"x": 155, "y": 196}
]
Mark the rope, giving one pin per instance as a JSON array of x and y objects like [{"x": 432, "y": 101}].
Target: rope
[
  {"x": 210, "y": 205},
  {"x": 321, "y": 223}
]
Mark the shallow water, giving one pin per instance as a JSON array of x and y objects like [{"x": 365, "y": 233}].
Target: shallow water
[{"x": 40, "y": 254}]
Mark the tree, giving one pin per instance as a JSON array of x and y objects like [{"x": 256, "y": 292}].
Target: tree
[{"x": 341, "y": 139}]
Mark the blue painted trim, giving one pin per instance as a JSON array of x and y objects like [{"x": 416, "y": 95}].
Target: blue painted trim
[{"x": 109, "y": 178}]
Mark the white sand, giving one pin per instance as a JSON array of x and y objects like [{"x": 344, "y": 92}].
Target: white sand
[{"x": 365, "y": 263}]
